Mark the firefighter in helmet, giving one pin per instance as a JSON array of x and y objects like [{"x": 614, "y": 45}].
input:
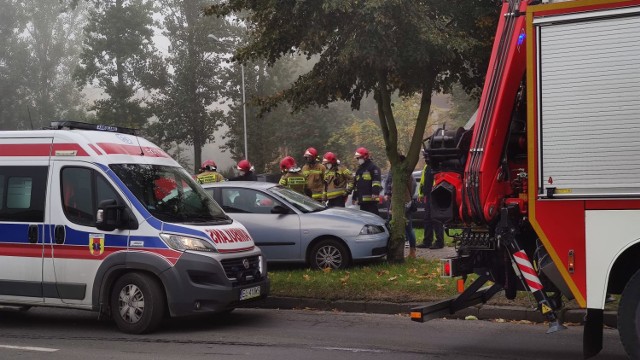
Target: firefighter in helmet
[
  {"x": 338, "y": 180},
  {"x": 209, "y": 173},
  {"x": 313, "y": 172},
  {"x": 292, "y": 175},
  {"x": 367, "y": 183},
  {"x": 245, "y": 172}
]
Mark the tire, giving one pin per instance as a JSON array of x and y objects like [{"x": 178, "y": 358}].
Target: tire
[
  {"x": 629, "y": 317},
  {"x": 137, "y": 303},
  {"x": 329, "y": 253}
]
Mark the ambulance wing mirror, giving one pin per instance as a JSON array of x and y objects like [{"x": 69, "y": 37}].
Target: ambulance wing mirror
[{"x": 111, "y": 216}]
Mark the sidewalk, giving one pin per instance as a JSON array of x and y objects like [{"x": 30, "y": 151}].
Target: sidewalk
[{"x": 481, "y": 312}]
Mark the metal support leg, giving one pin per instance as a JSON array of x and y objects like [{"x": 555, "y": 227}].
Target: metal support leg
[{"x": 526, "y": 272}]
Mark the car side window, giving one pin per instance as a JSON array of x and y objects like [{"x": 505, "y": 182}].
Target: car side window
[
  {"x": 82, "y": 190},
  {"x": 23, "y": 193},
  {"x": 236, "y": 200}
]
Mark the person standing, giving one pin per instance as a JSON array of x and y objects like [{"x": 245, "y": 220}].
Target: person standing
[
  {"x": 209, "y": 173},
  {"x": 313, "y": 172},
  {"x": 367, "y": 184},
  {"x": 431, "y": 226},
  {"x": 338, "y": 180},
  {"x": 292, "y": 175},
  {"x": 245, "y": 172}
]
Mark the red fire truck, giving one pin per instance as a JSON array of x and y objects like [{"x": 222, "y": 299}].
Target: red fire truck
[{"x": 545, "y": 186}]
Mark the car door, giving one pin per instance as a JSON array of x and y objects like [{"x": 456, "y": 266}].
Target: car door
[
  {"x": 78, "y": 247},
  {"x": 23, "y": 189},
  {"x": 277, "y": 234}
]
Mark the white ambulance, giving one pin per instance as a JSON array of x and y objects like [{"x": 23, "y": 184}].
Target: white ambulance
[{"x": 94, "y": 217}]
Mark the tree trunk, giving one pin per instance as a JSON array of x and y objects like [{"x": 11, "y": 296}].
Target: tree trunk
[{"x": 398, "y": 218}]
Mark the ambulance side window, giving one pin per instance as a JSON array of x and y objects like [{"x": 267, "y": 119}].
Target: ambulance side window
[
  {"x": 82, "y": 191},
  {"x": 22, "y": 193}
]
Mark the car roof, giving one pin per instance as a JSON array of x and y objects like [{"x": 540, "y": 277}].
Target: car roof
[{"x": 261, "y": 185}]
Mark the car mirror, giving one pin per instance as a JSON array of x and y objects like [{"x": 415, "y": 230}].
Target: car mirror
[
  {"x": 111, "y": 216},
  {"x": 279, "y": 209}
]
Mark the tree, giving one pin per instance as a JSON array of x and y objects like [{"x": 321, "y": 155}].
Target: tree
[
  {"x": 187, "y": 107},
  {"x": 39, "y": 47},
  {"x": 369, "y": 47},
  {"x": 14, "y": 64},
  {"x": 118, "y": 56}
]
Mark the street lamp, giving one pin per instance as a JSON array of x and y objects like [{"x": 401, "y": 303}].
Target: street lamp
[{"x": 244, "y": 101}]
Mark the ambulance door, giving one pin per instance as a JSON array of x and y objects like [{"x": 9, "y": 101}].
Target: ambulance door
[
  {"x": 24, "y": 173},
  {"x": 78, "y": 247}
]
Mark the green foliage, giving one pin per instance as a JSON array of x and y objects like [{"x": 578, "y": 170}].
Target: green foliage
[
  {"x": 117, "y": 56},
  {"x": 378, "y": 48},
  {"x": 39, "y": 46}
]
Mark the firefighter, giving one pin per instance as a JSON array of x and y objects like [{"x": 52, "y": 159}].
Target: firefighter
[
  {"x": 313, "y": 172},
  {"x": 245, "y": 172},
  {"x": 208, "y": 173},
  {"x": 292, "y": 175},
  {"x": 338, "y": 180},
  {"x": 367, "y": 184}
]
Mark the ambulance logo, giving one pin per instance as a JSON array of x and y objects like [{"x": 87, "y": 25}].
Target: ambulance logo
[{"x": 96, "y": 244}]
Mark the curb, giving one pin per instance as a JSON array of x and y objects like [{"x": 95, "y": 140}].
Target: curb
[{"x": 482, "y": 312}]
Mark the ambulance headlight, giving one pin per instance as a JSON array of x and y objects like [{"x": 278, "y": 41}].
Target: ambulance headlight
[{"x": 183, "y": 243}]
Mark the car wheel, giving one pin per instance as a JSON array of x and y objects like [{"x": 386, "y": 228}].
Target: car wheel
[
  {"x": 629, "y": 317},
  {"x": 137, "y": 303},
  {"x": 329, "y": 253}
]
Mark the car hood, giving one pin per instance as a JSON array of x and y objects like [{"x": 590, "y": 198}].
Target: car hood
[{"x": 352, "y": 215}]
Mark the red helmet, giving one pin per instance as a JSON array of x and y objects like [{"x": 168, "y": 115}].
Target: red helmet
[
  {"x": 287, "y": 163},
  {"x": 209, "y": 165},
  {"x": 329, "y": 158},
  {"x": 362, "y": 153},
  {"x": 311, "y": 152},
  {"x": 244, "y": 165}
]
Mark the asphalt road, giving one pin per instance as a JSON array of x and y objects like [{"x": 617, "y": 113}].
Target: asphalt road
[{"x": 286, "y": 334}]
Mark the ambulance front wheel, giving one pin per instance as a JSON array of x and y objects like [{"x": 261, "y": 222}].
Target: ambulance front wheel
[
  {"x": 137, "y": 303},
  {"x": 629, "y": 317}
]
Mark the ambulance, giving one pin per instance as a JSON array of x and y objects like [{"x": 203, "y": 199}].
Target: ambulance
[{"x": 94, "y": 217}]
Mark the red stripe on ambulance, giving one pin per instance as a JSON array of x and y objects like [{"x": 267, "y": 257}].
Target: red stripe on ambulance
[
  {"x": 40, "y": 149},
  {"x": 123, "y": 149}
]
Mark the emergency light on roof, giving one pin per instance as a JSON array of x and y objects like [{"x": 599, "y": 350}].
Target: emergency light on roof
[{"x": 70, "y": 125}]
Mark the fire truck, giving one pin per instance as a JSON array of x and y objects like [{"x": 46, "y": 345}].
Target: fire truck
[{"x": 544, "y": 188}]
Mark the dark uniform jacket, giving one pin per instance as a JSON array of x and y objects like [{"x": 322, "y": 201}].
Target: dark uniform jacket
[
  {"x": 367, "y": 184},
  {"x": 249, "y": 176}
]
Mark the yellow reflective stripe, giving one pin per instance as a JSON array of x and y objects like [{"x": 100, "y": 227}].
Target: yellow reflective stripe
[
  {"x": 376, "y": 183},
  {"x": 366, "y": 176},
  {"x": 296, "y": 180},
  {"x": 317, "y": 196},
  {"x": 335, "y": 193},
  {"x": 283, "y": 182}
]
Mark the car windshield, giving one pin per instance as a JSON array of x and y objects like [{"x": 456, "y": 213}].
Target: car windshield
[
  {"x": 170, "y": 194},
  {"x": 299, "y": 201}
]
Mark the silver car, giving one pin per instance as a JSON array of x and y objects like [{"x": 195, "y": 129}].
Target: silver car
[{"x": 291, "y": 227}]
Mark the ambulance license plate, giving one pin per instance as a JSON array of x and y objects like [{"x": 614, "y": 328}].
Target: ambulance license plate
[{"x": 249, "y": 293}]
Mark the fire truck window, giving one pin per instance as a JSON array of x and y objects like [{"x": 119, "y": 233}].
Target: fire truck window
[{"x": 22, "y": 193}]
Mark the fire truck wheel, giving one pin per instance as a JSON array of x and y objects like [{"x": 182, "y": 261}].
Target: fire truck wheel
[
  {"x": 329, "y": 253},
  {"x": 137, "y": 303},
  {"x": 629, "y": 317}
]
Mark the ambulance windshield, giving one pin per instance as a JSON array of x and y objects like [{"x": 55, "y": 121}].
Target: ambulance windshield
[{"x": 170, "y": 194}]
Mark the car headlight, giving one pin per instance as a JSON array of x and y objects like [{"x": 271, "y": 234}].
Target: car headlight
[
  {"x": 371, "y": 229},
  {"x": 183, "y": 243}
]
